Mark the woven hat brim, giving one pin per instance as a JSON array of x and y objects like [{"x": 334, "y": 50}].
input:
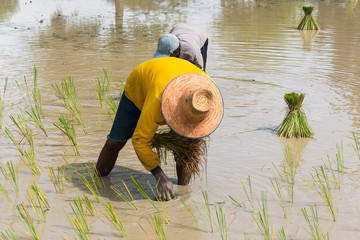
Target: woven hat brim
[{"x": 171, "y": 107}]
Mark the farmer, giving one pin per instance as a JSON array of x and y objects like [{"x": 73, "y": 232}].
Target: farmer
[
  {"x": 193, "y": 44},
  {"x": 164, "y": 90}
]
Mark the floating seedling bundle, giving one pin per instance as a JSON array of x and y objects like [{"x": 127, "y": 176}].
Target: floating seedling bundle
[
  {"x": 191, "y": 152},
  {"x": 308, "y": 22},
  {"x": 294, "y": 123}
]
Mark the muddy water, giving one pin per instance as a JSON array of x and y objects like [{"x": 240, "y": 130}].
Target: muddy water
[{"x": 256, "y": 55}]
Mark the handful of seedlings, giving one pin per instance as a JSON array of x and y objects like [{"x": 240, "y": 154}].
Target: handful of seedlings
[
  {"x": 308, "y": 22},
  {"x": 294, "y": 123},
  {"x": 191, "y": 152}
]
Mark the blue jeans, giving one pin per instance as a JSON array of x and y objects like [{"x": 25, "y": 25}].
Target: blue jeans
[{"x": 126, "y": 118}]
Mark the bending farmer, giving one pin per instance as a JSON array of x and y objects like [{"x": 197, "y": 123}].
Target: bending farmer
[{"x": 165, "y": 90}]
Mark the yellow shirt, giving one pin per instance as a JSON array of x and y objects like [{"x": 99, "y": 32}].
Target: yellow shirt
[{"x": 144, "y": 87}]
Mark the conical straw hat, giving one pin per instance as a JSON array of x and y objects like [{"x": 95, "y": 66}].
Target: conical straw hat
[{"x": 192, "y": 105}]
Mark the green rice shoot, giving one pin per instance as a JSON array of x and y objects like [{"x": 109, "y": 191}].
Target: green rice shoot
[
  {"x": 125, "y": 195},
  {"x": 4, "y": 192},
  {"x": 113, "y": 218},
  {"x": 2, "y": 103},
  {"x": 316, "y": 232}
]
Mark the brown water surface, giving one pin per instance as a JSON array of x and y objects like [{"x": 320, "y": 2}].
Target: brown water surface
[{"x": 256, "y": 55}]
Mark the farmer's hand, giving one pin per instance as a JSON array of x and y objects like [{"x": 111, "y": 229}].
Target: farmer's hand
[{"x": 164, "y": 186}]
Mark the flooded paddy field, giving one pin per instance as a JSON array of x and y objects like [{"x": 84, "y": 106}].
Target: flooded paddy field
[{"x": 255, "y": 55}]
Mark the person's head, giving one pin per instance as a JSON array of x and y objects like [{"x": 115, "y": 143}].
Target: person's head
[
  {"x": 192, "y": 105},
  {"x": 168, "y": 45}
]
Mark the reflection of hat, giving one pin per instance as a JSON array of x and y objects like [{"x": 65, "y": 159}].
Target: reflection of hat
[
  {"x": 167, "y": 44},
  {"x": 192, "y": 105}
]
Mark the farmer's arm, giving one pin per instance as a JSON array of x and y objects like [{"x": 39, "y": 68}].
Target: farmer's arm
[{"x": 148, "y": 123}]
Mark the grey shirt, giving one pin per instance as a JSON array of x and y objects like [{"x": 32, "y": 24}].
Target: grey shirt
[{"x": 191, "y": 41}]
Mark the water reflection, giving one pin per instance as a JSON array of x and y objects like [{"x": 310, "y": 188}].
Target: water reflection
[
  {"x": 8, "y": 8},
  {"x": 308, "y": 36}
]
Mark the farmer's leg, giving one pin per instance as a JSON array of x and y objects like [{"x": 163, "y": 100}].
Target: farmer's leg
[
  {"x": 184, "y": 176},
  {"x": 108, "y": 156},
  {"x": 123, "y": 127}
]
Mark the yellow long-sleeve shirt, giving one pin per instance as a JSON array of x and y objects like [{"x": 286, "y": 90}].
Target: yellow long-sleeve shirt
[{"x": 144, "y": 87}]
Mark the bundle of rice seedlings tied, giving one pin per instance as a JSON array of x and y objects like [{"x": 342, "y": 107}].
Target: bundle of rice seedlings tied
[
  {"x": 190, "y": 152},
  {"x": 295, "y": 123},
  {"x": 308, "y": 22}
]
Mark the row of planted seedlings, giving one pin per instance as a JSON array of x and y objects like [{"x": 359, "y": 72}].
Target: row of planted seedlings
[
  {"x": 324, "y": 180},
  {"x": 22, "y": 133}
]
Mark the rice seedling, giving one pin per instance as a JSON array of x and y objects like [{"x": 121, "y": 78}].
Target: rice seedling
[
  {"x": 33, "y": 99},
  {"x": 58, "y": 179},
  {"x": 338, "y": 170},
  {"x": 9, "y": 234},
  {"x": 222, "y": 227},
  {"x": 3, "y": 171},
  {"x": 89, "y": 205},
  {"x": 12, "y": 138},
  {"x": 112, "y": 217},
  {"x": 4, "y": 192},
  {"x": 36, "y": 119},
  {"x": 40, "y": 195},
  {"x": 92, "y": 187},
  {"x": 65, "y": 158},
  {"x": 40, "y": 213},
  {"x": 68, "y": 129},
  {"x": 95, "y": 176},
  {"x": 189, "y": 152},
  {"x": 295, "y": 123},
  {"x": 336, "y": 176},
  {"x": 79, "y": 213},
  {"x": 340, "y": 162},
  {"x": 70, "y": 100},
  {"x": 189, "y": 212},
  {"x": 288, "y": 171},
  {"x": 236, "y": 202},
  {"x": 263, "y": 218},
  {"x": 23, "y": 129},
  {"x": 356, "y": 144},
  {"x": 313, "y": 223},
  {"x": 29, "y": 160},
  {"x": 2, "y": 102},
  {"x": 246, "y": 236},
  {"x": 280, "y": 195},
  {"x": 207, "y": 208},
  {"x": 102, "y": 86},
  {"x": 141, "y": 190},
  {"x": 80, "y": 232},
  {"x": 321, "y": 184},
  {"x": 250, "y": 194},
  {"x": 113, "y": 106},
  {"x": 158, "y": 226},
  {"x": 25, "y": 218},
  {"x": 14, "y": 174},
  {"x": 125, "y": 195},
  {"x": 282, "y": 235},
  {"x": 308, "y": 22}
]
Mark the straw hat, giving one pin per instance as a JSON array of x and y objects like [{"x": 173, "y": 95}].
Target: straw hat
[{"x": 192, "y": 105}]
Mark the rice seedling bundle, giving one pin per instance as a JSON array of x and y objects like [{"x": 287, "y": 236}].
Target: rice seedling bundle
[
  {"x": 295, "y": 123},
  {"x": 190, "y": 152},
  {"x": 308, "y": 22}
]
